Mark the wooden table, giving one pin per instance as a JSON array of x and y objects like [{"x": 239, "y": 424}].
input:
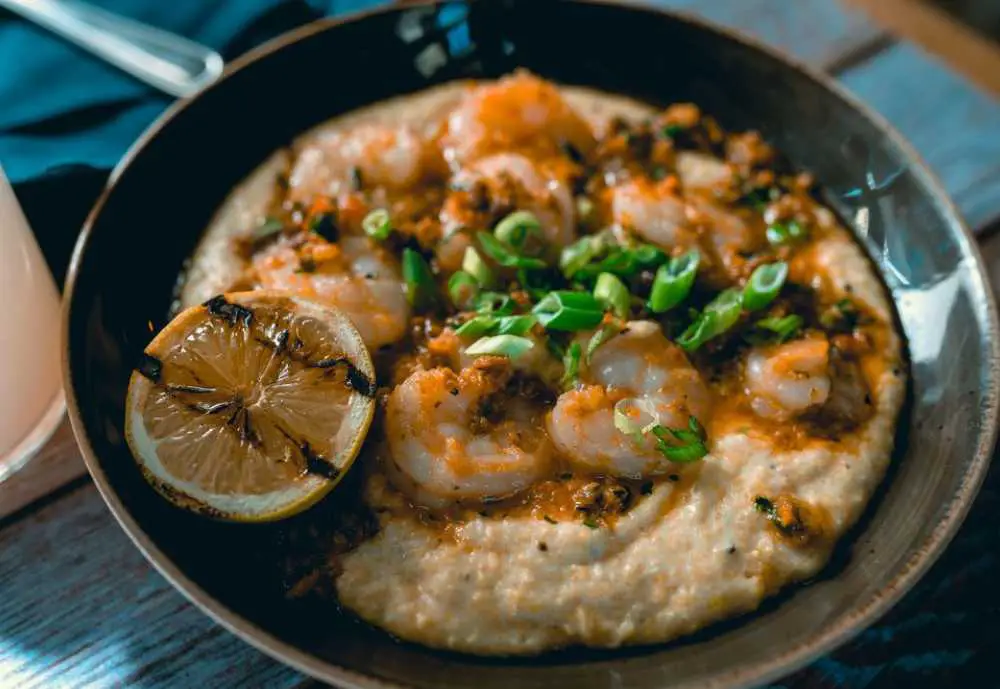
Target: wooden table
[{"x": 79, "y": 606}]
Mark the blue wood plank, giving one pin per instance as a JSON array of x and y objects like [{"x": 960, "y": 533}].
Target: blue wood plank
[
  {"x": 80, "y": 607},
  {"x": 815, "y": 31},
  {"x": 954, "y": 126}
]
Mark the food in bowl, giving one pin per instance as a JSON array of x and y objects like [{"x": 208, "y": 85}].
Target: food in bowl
[{"x": 632, "y": 376}]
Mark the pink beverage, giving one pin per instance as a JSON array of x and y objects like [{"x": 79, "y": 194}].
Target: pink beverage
[{"x": 31, "y": 397}]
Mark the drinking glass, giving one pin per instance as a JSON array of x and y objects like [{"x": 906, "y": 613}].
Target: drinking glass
[{"x": 31, "y": 394}]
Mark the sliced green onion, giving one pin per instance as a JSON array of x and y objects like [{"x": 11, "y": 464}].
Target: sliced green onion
[
  {"x": 605, "y": 333},
  {"x": 510, "y": 346},
  {"x": 496, "y": 250},
  {"x": 777, "y": 234},
  {"x": 462, "y": 288},
  {"x": 495, "y": 303},
  {"x": 638, "y": 417},
  {"x": 578, "y": 254},
  {"x": 377, "y": 224},
  {"x": 571, "y": 364},
  {"x": 764, "y": 284},
  {"x": 564, "y": 310},
  {"x": 476, "y": 327},
  {"x": 647, "y": 255},
  {"x": 517, "y": 228},
  {"x": 719, "y": 316},
  {"x": 584, "y": 208},
  {"x": 726, "y": 307},
  {"x": 474, "y": 265},
  {"x": 681, "y": 445},
  {"x": 673, "y": 282},
  {"x": 516, "y": 325},
  {"x": 624, "y": 262},
  {"x": 784, "y": 328},
  {"x": 421, "y": 290},
  {"x": 783, "y": 233},
  {"x": 613, "y": 294},
  {"x": 618, "y": 262},
  {"x": 635, "y": 417}
]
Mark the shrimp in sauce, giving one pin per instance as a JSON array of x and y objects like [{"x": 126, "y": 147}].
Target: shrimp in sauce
[
  {"x": 543, "y": 383},
  {"x": 788, "y": 380},
  {"x": 377, "y": 156},
  {"x": 639, "y": 365},
  {"x": 361, "y": 279},
  {"x": 519, "y": 113},
  {"x": 457, "y": 429},
  {"x": 444, "y": 447}
]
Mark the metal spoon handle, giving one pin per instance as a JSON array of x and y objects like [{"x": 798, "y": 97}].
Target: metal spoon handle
[{"x": 164, "y": 60}]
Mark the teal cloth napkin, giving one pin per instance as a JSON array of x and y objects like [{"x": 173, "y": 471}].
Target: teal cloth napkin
[{"x": 59, "y": 106}]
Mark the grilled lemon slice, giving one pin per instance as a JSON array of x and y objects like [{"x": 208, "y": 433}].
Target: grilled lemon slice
[{"x": 251, "y": 406}]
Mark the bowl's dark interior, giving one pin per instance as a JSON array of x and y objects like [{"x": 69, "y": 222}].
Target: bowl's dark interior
[{"x": 152, "y": 218}]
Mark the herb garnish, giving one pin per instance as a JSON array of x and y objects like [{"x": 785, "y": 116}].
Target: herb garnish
[
  {"x": 770, "y": 510},
  {"x": 775, "y": 329},
  {"x": 571, "y": 365},
  {"x": 682, "y": 445}
]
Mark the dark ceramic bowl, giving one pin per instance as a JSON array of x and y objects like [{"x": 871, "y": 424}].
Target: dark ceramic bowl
[{"x": 163, "y": 193}]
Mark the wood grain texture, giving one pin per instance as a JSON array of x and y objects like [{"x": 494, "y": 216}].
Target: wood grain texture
[
  {"x": 55, "y": 465},
  {"x": 964, "y": 50},
  {"x": 81, "y": 607},
  {"x": 954, "y": 126},
  {"x": 817, "y": 31}
]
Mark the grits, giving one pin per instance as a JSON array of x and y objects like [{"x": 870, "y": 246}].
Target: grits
[
  {"x": 691, "y": 554},
  {"x": 697, "y": 542}
]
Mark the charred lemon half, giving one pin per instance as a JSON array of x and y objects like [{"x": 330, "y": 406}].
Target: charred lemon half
[{"x": 251, "y": 406}]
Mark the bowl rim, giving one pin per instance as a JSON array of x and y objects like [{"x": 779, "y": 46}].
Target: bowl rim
[{"x": 747, "y": 674}]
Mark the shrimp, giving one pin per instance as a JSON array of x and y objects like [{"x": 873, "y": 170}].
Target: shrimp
[
  {"x": 701, "y": 171},
  {"x": 732, "y": 239},
  {"x": 652, "y": 211},
  {"x": 361, "y": 279},
  {"x": 538, "y": 362},
  {"x": 656, "y": 213},
  {"x": 519, "y": 113},
  {"x": 788, "y": 380},
  {"x": 506, "y": 182},
  {"x": 333, "y": 162},
  {"x": 639, "y": 364},
  {"x": 443, "y": 447}
]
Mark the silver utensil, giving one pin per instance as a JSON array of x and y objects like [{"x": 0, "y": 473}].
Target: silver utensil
[{"x": 169, "y": 62}]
